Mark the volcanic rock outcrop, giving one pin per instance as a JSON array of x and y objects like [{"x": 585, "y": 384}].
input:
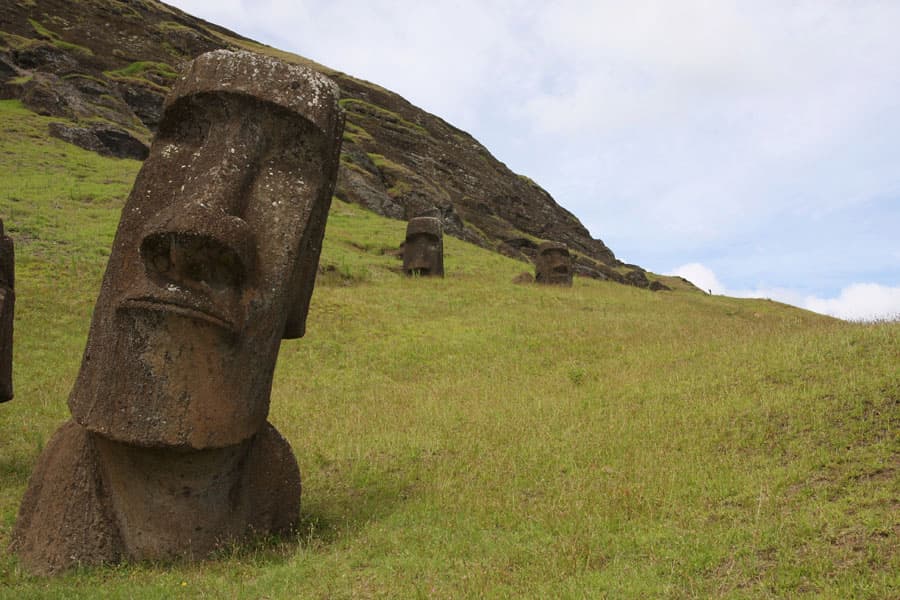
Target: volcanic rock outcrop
[{"x": 169, "y": 453}]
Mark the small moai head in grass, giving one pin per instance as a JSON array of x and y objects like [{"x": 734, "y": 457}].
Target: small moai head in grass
[
  {"x": 553, "y": 264},
  {"x": 423, "y": 250},
  {"x": 7, "y": 306},
  {"x": 215, "y": 256}
]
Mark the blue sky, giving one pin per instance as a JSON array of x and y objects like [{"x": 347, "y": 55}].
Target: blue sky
[{"x": 751, "y": 146}]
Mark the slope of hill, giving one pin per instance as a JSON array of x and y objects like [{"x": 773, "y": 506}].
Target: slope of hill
[
  {"x": 467, "y": 437},
  {"x": 105, "y": 66}
]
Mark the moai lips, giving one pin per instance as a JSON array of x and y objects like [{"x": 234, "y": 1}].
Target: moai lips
[
  {"x": 213, "y": 264},
  {"x": 553, "y": 264},
  {"x": 7, "y": 308},
  {"x": 423, "y": 250}
]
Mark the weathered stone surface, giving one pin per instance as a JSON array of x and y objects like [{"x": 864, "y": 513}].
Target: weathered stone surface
[
  {"x": 84, "y": 486},
  {"x": 101, "y": 138},
  {"x": 46, "y": 57},
  {"x": 47, "y": 95},
  {"x": 637, "y": 278},
  {"x": 8, "y": 74},
  {"x": 9, "y": 89},
  {"x": 212, "y": 265},
  {"x": 553, "y": 264},
  {"x": 423, "y": 250},
  {"x": 145, "y": 102},
  {"x": 66, "y": 515},
  {"x": 7, "y": 310},
  {"x": 7, "y": 69}
]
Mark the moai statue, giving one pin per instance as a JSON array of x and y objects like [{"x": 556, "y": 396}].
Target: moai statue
[
  {"x": 553, "y": 264},
  {"x": 168, "y": 453},
  {"x": 423, "y": 250},
  {"x": 7, "y": 306}
]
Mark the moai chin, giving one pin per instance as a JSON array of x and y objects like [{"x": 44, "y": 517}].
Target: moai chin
[
  {"x": 423, "y": 250},
  {"x": 553, "y": 264},
  {"x": 7, "y": 308},
  {"x": 169, "y": 453}
]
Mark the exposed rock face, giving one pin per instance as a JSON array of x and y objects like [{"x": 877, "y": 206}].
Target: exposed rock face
[
  {"x": 553, "y": 265},
  {"x": 103, "y": 139},
  {"x": 7, "y": 308},
  {"x": 169, "y": 453},
  {"x": 115, "y": 59},
  {"x": 423, "y": 249},
  {"x": 400, "y": 160}
]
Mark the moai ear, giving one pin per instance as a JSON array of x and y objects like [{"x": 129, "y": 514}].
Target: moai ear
[
  {"x": 311, "y": 244},
  {"x": 295, "y": 325},
  {"x": 301, "y": 290},
  {"x": 310, "y": 249}
]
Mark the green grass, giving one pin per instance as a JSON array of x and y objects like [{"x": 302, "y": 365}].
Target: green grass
[
  {"x": 139, "y": 72},
  {"x": 467, "y": 437},
  {"x": 59, "y": 201},
  {"x": 139, "y": 68},
  {"x": 57, "y": 41},
  {"x": 356, "y": 134}
]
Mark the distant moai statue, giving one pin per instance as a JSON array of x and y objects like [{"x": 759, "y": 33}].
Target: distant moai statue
[
  {"x": 553, "y": 264},
  {"x": 423, "y": 250},
  {"x": 169, "y": 453},
  {"x": 7, "y": 311}
]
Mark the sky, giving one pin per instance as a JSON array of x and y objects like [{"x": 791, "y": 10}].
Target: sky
[{"x": 751, "y": 146}]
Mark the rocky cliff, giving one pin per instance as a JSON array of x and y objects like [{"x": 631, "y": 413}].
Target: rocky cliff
[{"x": 104, "y": 67}]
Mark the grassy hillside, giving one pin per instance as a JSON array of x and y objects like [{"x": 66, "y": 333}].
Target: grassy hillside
[{"x": 468, "y": 437}]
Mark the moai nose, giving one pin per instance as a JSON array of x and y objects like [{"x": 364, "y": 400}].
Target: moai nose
[{"x": 202, "y": 249}]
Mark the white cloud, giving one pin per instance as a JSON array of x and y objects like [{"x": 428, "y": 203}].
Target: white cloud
[
  {"x": 701, "y": 276},
  {"x": 858, "y": 301}
]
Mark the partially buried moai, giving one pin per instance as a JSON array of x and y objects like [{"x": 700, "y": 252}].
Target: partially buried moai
[
  {"x": 423, "y": 250},
  {"x": 7, "y": 308},
  {"x": 168, "y": 453},
  {"x": 553, "y": 264}
]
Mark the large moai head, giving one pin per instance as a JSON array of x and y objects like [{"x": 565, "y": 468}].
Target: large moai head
[
  {"x": 423, "y": 250},
  {"x": 553, "y": 264},
  {"x": 215, "y": 256},
  {"x": 7, "y": 304}
]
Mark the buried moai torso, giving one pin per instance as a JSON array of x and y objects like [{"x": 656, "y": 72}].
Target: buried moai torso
[
  {"x": 553, "y": 264},
  {"x": 423, "y": 250},
  {"x": 169, "y": 452},
  {"x": 7, "y": 308}
]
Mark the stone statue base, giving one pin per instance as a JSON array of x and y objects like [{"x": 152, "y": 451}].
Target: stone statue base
[{"x": 91, "y": 500}]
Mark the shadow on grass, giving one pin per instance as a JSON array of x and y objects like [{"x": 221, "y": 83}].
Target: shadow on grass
[{"x": 355, "y": 496}]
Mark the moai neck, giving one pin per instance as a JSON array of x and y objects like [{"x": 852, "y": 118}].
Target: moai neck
[{"x": 169, "y": 498}]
